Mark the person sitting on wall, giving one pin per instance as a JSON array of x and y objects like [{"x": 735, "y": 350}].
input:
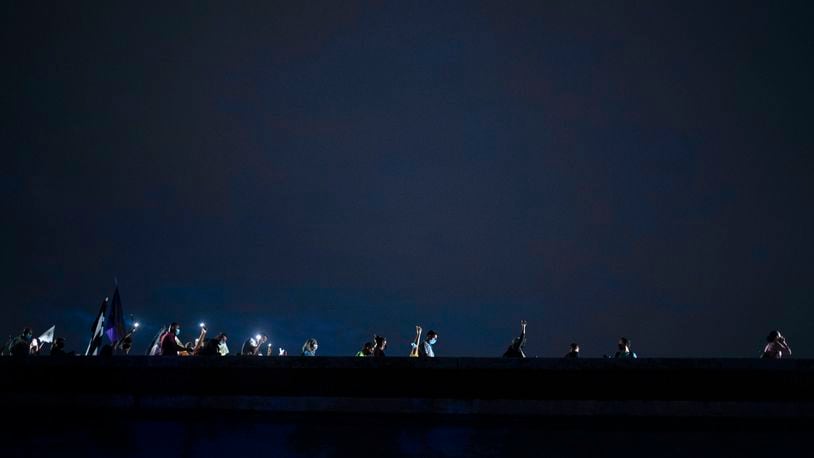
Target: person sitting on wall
[
  {"x": 213, "y": 346},
  {"x": 309, "y": 348},
  {"x": 624, "y": 349},
  {"x": 251, "y": 347},
  {"x": 776, "y": 346},
  {"x": 381, "y": 344},
  {"x": 367, "y": 350},
  {"x": 573, "y": 351},
  {"x": 425, "y": 350},
  {"x": 21, "y": 345},
  {"x": 170, "y": 344}
]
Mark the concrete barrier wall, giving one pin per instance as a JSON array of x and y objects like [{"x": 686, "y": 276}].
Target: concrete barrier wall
[{"x": 454, "y": 386}]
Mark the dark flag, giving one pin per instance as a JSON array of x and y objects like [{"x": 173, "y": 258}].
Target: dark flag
[
  {"x": 96, "y": 331},
  {"x": 114, "y": 321},
  {"x": 6, "y": 350}
]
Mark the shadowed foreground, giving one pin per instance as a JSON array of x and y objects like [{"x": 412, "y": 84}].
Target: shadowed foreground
[{"x": 139, "y": 406}]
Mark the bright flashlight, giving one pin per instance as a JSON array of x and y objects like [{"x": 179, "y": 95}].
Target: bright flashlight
[{"x": 136, "y": 324}]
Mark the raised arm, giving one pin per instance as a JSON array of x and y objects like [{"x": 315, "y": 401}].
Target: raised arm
[
  {"x": 177, "y": 344},
  {"x": 784, "y": 345}
]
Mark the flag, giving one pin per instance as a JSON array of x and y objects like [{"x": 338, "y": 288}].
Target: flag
[
  {"x": 156, "y": 345},
  {"x": 6, "y": 350},
  {"x": 47, "y": 336},
  {"x": 114, "y": 321},
  {"x": 96, "y": 331}
]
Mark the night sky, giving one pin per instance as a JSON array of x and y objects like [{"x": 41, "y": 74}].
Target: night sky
[{"x": 334, "y": 169}]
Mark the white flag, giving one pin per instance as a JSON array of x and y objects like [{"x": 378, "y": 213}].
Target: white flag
[{"x": 47, "y": 336}]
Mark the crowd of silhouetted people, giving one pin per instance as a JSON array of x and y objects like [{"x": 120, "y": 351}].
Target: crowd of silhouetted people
[{"x": 168, "y": 343}]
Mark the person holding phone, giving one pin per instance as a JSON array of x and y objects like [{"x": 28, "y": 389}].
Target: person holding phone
[{"x": 776, "y": 346}]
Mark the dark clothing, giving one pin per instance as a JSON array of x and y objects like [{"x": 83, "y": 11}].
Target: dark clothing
[
  {"x": 20, "y": 346},
  {"x": 572, "y": 354},
  {"x": 6, "y": 350},
  {"x": 210, "y": 348},
  {"x": 378, "y": 353},
  {"x": 515, "y": 350},
  {"x": 626, "y": 355},
  {"x": 106, "y": 350},
  {"x": 249, "y": 347},
  {"x": 126, "y": 343},
  {"x": 170, "y": 345},
  {"x": 57, "y": 351},
  {"x": 776, "y": 350}
]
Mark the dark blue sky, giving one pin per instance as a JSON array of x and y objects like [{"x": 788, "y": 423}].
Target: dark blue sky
[{"x": 336, "y": 169}]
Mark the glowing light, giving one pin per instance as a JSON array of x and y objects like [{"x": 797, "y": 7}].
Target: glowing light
[{"x": 136, "y": 324}]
